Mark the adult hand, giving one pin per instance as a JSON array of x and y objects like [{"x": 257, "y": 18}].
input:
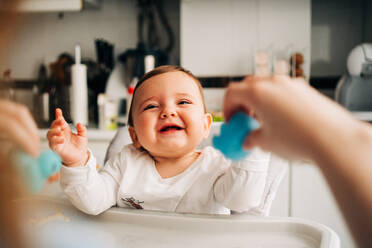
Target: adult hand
[
  {"x": 73, "y": 148},
  {"x": 293, "y": 115},
  {"x": 299, "y": 122},
  {"x": 17, "y": 124}
]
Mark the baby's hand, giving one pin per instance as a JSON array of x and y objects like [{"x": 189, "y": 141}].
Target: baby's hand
[{"x": 73, "y": 148}]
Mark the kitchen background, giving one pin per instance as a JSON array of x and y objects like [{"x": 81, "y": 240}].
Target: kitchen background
[
  {"x": 336, "y": 27},
  {"x": 216, "y": 40},
  {"x": 228, "y": 33}
]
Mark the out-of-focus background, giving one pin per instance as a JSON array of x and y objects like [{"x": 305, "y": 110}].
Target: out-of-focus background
[{"x": 327, "y": 42}]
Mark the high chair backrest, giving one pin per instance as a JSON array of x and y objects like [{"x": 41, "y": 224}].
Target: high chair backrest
[{"x": 275, "y": 174}]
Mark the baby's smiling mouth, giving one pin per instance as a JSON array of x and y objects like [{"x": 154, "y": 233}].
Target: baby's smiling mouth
[{"x": 170, "y": 128}]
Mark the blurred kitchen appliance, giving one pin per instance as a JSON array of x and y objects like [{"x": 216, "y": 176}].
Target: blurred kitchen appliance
[
  {"x": 134, "y": 64},
  {"x": 150, "y": 52},
  {"x": 354, "y": 90},
  {"x": 59, "y": 84},
  {"x": 98, "y": 73},
  {"x": 140, "y": 60}
]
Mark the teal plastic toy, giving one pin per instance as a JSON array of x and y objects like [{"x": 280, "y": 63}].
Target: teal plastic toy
[
  {"x": 33, "y": 171},
  {"x": 232, "y": 135}
]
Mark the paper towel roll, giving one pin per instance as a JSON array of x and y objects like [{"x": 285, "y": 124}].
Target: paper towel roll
[{"x": 79, "y": 94}]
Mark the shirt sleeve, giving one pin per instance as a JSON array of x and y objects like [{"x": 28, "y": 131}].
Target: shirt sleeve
[
  {"x": 89, "y": 190},
  {"x": 241, "y": 186}
]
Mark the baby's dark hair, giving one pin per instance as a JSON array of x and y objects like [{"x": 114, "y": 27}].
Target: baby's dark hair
[{"x": 157, "y": 71}]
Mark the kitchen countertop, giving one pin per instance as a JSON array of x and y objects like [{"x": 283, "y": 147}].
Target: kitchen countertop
[
  {"x": 93, "y": 134},
  {"x": 363, "y": 116}
]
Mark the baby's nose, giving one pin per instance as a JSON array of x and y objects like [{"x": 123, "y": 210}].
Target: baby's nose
[{"x": 168, "y": 113}]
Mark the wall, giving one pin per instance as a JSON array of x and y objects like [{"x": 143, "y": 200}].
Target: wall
[
  {"x": 222, "y": 40},
  {"x": 41, "y": 37},
  {"x": 337, "y": 27}
]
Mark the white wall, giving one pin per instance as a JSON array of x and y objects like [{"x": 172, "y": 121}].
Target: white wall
[
  {"x": 43, "y": 36},
  {"x": 337, "y": 27},
  {"x": 220, "y": 38}
]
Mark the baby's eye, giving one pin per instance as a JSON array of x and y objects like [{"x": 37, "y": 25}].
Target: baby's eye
[
  {"x": 183, "y": 102},
  {"x": 150, "y": 106}
]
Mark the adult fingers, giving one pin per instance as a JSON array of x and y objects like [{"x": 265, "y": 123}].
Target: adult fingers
[
  {"x": 254, "y": 138},
  {"x": 255, "y": 78},
  {"x": 18, "y": 124},
  {"x": 27, "y": 121},
  {"x": 236, "y": 100},
  {"x": 20, "y": 113},
  {"x": 15, "y": 130}
]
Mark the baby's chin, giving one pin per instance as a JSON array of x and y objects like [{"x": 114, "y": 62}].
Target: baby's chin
[{"x": 171, "y": 151}]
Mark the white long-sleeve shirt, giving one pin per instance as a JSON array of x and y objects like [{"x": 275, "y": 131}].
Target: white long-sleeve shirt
[{"x": 212, "y": 184}]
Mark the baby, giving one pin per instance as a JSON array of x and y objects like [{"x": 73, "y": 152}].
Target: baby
[{"x": 162, "y": 169}]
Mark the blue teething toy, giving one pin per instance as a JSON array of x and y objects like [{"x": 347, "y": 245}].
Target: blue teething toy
[
  {"x": 232, "y": 135},
  {"x": 33, "y": 171}
]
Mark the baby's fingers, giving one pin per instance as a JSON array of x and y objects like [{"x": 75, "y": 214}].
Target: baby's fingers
[
  {"x": 54, "y": 132},
  {"x": 60, "y": 120},
  {"x": 58, "y": 140},
  {"x": 55, "y": 142},
  {"x": 81, "y": 130},
  {"x": 57, "y": 123}
]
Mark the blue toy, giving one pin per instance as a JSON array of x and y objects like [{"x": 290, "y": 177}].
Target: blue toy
[
  {"x": 232, "y": 135},
  {"x": 33, "y": 171}
]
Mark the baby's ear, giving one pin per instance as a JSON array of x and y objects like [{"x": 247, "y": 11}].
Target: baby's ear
[
  {"x": 208, "y": 119},
  {"x": 134, "y": 138}
]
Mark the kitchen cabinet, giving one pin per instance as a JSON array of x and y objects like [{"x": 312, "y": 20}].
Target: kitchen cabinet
[
  {"x": 219, "y": 38},
  {"x": 55, "y": 5},
  {"x": 311, "y": 198}
]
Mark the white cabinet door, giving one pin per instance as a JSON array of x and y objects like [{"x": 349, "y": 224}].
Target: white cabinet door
[
  {"x": 219, "y": 38},
  {"x": 312, "y": 199},
  {"x": 49, "y": 5}
]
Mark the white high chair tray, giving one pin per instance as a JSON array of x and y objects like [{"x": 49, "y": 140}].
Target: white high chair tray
[{"x": 138, "y": 228}]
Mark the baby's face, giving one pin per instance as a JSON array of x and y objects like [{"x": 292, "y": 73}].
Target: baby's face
[{"x": 168, "y": 115}]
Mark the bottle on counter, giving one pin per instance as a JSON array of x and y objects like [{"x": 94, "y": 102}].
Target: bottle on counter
[
  {"x": 79, "y": 90},
  {"x": 107, "y": 113}
]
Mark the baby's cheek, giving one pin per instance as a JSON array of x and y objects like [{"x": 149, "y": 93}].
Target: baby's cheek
[{"x": 197, "y": 131}]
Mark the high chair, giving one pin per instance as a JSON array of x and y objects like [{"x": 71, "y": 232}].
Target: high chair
[{"x": 276, "y": 171}]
